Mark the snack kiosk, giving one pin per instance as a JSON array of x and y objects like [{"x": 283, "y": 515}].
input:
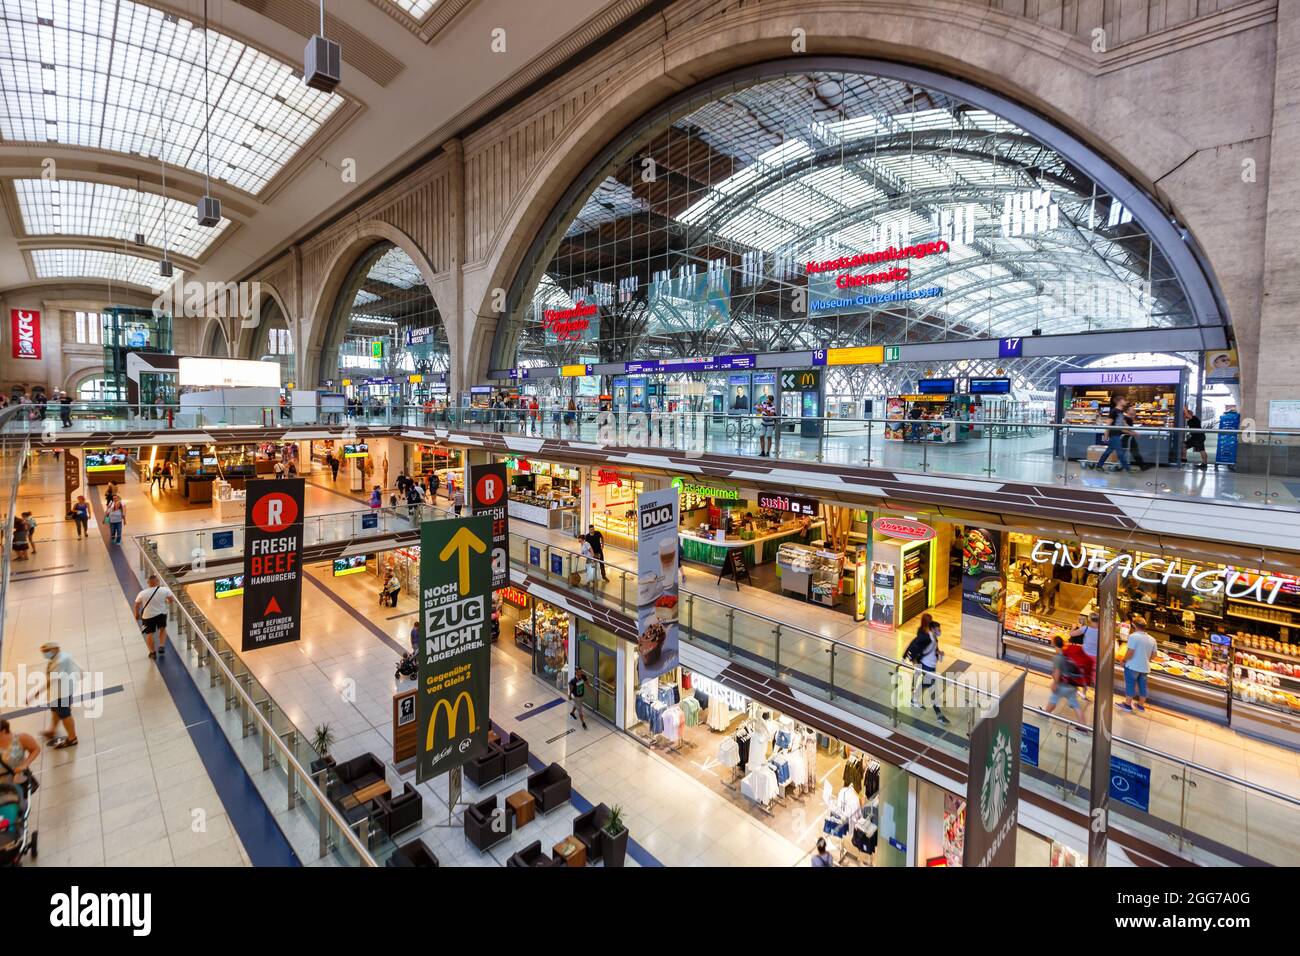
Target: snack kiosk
[{"x": 1156, "y": 399}]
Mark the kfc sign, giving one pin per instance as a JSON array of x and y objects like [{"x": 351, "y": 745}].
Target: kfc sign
[{"x": 25, "y": 327}]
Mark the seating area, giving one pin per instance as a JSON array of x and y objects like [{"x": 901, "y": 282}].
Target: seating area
[
  {"x": 500, "y": 760},
  {"x": 359, "y": 789},
  {"x": 487, "y": 823},
  {"x": 532, "y": 855},
  {"x": 589, "y": 829},
  {"x": 551, "y": 788},
  {"x": 415, "y": 853}
]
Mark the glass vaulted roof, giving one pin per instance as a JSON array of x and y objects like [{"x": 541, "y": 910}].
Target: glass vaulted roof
[
  {"x": 96, "y": 264},
  {"x": 125, "y": 77},
  {"x": 52, "y": 207},
  {"x": 416, "y": 9},
  {"x": 697, "y": 239}
]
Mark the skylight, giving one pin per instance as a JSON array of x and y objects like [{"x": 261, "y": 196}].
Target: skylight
[
  {"x": 395, "y": 268},
  {"x": 121, "y": 76},
  {"x": 52, "y": 207},
  {"x": 415, "y": 9},
  {"x": 96, "y": 264}
]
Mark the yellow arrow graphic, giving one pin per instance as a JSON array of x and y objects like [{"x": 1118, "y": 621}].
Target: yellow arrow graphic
[{"x": 460, "y": 545}]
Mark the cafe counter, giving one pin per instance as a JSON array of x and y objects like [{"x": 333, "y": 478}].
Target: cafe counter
[{"x": 756, "y": 548}]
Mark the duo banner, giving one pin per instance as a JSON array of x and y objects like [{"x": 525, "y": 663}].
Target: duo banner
[
  {"x": 454, "y": 655},
  {"x": 272, "y": 562},
  {"x": 658, "y": 515}
]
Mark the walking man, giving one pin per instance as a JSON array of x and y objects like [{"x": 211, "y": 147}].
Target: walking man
[
  {"x": 597, "y": 542},
  {"x": 151, "y": 614},
  {"x": 577, "y": 690}
]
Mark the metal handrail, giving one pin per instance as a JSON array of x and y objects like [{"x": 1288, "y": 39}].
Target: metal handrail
[
  {"x": 6, "y": 534},
  {"x": 842, "y": 646},
  {"x": 268, "y": 731}
]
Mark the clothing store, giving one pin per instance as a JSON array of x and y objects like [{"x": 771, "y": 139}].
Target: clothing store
[{"x": 800, "y": 779}]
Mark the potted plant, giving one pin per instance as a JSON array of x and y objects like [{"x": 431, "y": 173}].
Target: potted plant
[
  {"x": 614, "y": 846},
  {"x": 322, "y": 740}
]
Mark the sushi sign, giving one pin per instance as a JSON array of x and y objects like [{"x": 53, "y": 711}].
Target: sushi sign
[{"x": 1262, "y": 588}]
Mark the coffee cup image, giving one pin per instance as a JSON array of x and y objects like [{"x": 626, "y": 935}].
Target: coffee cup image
[
  {"x": 649, "y": 586},
  {"x": 667, "y": 553},
  {"x": 650, "y": 644}
]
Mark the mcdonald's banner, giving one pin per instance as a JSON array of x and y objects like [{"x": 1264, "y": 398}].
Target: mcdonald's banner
[
  {"x": 455, "y": 650},
  {"x": 272, "y": 562}
]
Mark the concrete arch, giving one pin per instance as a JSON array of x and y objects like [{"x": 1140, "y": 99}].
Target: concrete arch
[
  {"x": 76, "y": 378},
  {"x": 210, "y": 345},
  {"x": 352, "y": 245},
  {"x": 250, "y": 334},
  {"x": 1048, "y": 73}
]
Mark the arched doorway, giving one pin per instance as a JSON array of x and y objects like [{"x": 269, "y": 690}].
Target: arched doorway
[
  {"x": 814, "y": 204},
  {"x": 384, "y": 329},
  {"x": 216, "y": 343}
]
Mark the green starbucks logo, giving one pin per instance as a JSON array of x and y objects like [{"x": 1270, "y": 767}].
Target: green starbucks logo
[{"x": 997, "y": 780}]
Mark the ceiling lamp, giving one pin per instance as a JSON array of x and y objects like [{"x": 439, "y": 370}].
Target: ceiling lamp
[
  {"x": 165, "y": 265},
  {"x": 209, "y": 207},
  {"x": 322, "y": 61},
  {"x": 139, "y": 229}
]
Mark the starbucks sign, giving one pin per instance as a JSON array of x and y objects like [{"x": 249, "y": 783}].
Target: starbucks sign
[{"x": 993, "y": 782}]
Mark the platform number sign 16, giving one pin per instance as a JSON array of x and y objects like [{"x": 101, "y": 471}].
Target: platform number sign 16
[{"x": 1011, "y": 348}]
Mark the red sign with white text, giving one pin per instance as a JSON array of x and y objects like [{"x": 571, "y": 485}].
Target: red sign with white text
[
  {"x": 25, "y": 329},
  {"x": 907, "y": 530}
]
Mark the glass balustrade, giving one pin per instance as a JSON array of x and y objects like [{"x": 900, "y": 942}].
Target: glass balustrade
[{"x": 1250, "y": 466}]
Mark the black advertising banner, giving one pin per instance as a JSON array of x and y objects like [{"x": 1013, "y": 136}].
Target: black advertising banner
[
  {"x": 487, "y": 491},
  {"x": 981, "y": 576},
  {"x": 455, "y": 649},
  {"x": 993, "y": 782},
  {"x": 272, "y": 562}
]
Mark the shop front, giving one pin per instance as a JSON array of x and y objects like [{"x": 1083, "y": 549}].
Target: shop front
[
  {"x": 612, "y": 495},
  {"x": 423, "y": 462},
  {"x": 544, "y": 493},
  {"x": 1228, "y": 637},
  {"x": 936, "y": 413},
  {"x": 202, "y": 466},
  {"x": 909, "y": 571},
  {"x": 805, "y": 780},
  {"x": 1156, "y": 399}
]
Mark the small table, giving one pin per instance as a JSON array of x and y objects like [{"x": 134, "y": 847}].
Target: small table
[
  {"x": 371, "y": 792},
  {"x": 523, "y": 806},
  {"x": 570, "y": 851},
  {"x": 493, "y": 737}
]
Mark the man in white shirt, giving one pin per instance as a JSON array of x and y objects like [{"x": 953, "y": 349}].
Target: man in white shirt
[
  {"x": 60, "y": 683},
  {"x": 151, "y": 614},
  {"x": 1137, "y": 663}
]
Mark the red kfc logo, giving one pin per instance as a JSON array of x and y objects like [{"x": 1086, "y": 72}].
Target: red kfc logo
[{"x": 25, "y": 329}]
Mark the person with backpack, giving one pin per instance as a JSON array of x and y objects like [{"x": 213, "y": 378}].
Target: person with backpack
[
  {"x": 577, "y": 690},
  {"x": 1066, "y": 678},
  {"x": 925, "y": 654},
  {"x": 116, "y": 518}
]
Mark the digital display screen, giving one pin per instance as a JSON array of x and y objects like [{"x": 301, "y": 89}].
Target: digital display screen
[
  {"x": 105, "y": 461},
  {"x": 228, "y": 587},
  {"x": 352, "y": 565},
  {"x": 210, "y": 462},
  {"x": 989, "y": 386},
  {"x": 936, "y": 386},
  {"x": 356, "y": 451}
]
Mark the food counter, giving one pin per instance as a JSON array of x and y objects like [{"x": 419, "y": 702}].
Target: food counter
[
  {"x": 545, "y": 510},
  {"x": 705, "y": 548},
  {"x": 228, "y": 503}
]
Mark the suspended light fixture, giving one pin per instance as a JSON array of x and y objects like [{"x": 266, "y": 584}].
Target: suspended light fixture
[
  {"x": 322, "y": 61},
  {"x": 165, "y": 265},
  {"x": 139, "y": 230},
  {"x": 209, "y": 207}
]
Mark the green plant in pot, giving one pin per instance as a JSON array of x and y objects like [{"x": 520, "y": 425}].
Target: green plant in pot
[
  {"x": 322, "y": 739},
  {"x": 614, "y": 846}
]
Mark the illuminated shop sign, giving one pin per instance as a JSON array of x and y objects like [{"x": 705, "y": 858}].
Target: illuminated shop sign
[
  {"x": 902, "y": 528},
  {"x": 606, "y": 477},
  {"x": 712, "y": 363},
  {"x": 514, "y": 596},
  {"x": 1262, "y": 588},
  {"x": 704, "y": 491},
  {"x": 1161, "y": 376},
  {"x": 570, "y": 325},
  {"x": 862, "y": 301},
  {"x": 790, "y": 503}
]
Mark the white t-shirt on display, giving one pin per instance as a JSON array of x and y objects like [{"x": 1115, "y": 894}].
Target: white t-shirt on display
[{"x": 155, "y": 605}]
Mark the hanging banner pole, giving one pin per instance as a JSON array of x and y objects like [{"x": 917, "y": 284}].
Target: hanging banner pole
[{"x": 1102, "y": 715}]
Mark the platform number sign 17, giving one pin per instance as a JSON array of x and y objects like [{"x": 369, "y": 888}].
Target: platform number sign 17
[{"x": 1011, "y": 348}]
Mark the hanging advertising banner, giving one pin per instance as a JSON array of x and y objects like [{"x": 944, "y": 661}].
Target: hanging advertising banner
[
  {"x": 272, "y": 562},
  {"x": 454, "y": 653},
  {"x": 25, "y": 332},
  {"x": 487, "y": 488},
  {"x": 1221, "y": 366},
  {"x": 1102, "y": 712},
  {"x": 658, "y": 516},
  {"x": 981, "y": 578},
  {"x": 993, "y": 781}
]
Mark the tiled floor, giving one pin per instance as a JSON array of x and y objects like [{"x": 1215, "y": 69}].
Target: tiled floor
[{"x": 134, "y": 791}]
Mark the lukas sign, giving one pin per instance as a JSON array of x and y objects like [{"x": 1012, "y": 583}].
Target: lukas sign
[{"x": 25, "y": 329}]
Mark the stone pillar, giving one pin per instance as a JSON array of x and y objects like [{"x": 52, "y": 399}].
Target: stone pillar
[
  {"x": 457, "y": 318},
  {"x": 1279, "y": 326}
]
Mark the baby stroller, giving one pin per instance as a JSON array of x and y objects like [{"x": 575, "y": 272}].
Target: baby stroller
[
  {"x": 407, "y": 667},
  {"x": 15, "y": 837}
]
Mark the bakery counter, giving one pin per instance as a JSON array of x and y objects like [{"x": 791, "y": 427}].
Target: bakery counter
[
  {"x": 759, "y": 549},
  {"x": 1185, "y": 688}
]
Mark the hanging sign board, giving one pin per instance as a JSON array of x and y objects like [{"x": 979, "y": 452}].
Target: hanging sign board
[{"x": 272, "y": 562}]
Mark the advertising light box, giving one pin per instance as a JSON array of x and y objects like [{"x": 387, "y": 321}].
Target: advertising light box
[{"x": 353, "y": 565}]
